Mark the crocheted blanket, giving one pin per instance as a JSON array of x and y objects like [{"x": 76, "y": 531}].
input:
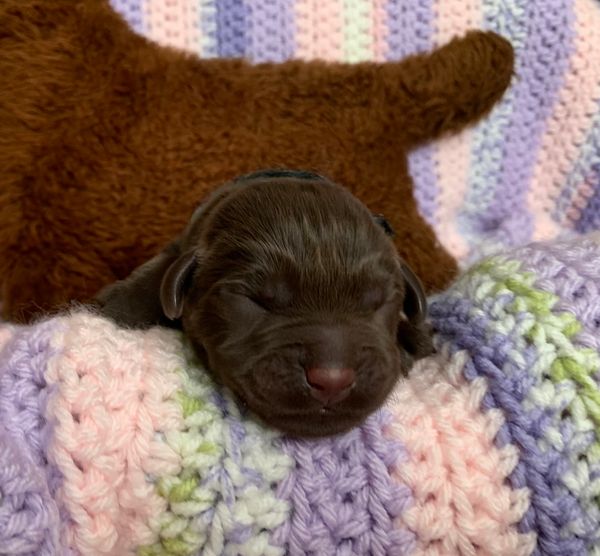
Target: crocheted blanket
[
  {"x": 116, "y": 442},
  {"x": 529, "y": 171}
]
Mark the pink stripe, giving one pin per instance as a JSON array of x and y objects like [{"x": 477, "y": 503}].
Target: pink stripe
[
  {"x": 452, "y": 155},
  {"x": 380, "y": 48},
  {"x": 569, "y": 123},
  {"x": 6, "y": 332},
  {"x": 173, "y": 23},
  {"x": 462, "y": 502},
  {"x": 584, "y": 191},
  {"x": 194, "y": 27},
  {"x": 112, "y": 398},
  {"x": 319, "y": 30}
]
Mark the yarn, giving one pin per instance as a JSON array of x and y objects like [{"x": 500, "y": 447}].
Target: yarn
[
  {"x": 576, "y": 101},
  {"x": 319, "y": 30},
  {"x": 146, "y": 455},
  {"x": 529, "y": 171},
  {"x": 454, "y": 154},
  {"x": 117, "y": 441},
  {"x": 29, "y": 521},
  {"x": 107, "y": 409},
  {"x": 462, "y": 502},
  {"x": 540, "y": 367},
  {"x": 343, "y": 498},
  {"x": 476, "y": 217}
]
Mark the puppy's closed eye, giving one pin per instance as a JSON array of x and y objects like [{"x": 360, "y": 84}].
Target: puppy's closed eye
[
  {"x": 373, "y": 298},
  {"x": 239, "y": 304},
  {"x": 272, "y": 293},
  {"x": 264, "y": 303}
]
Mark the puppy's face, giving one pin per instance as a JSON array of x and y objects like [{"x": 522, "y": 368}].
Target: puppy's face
[{"x": 295, "y": 297}]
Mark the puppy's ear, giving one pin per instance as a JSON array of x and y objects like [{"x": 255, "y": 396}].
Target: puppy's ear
[
  {"x": 415, "y": 334},
  {"x": 172, "y": 287},
  {"x": 383, "y": 222},
  {"x": 415, "y": 301},
  {"x": 137, "y": 301}
]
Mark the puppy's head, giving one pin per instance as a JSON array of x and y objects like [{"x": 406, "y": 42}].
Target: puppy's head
[{"x": 294, "y": 295}]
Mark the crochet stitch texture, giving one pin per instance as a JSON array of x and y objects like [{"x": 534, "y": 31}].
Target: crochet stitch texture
[{"x": 117, "y": 442}]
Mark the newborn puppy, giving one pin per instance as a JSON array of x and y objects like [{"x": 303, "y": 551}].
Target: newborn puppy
[{"x": 294, "y": 296}]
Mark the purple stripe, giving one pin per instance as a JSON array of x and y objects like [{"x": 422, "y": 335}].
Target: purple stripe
[
  {"x": 410, "y": 31},
  {"x": 344, "y": 499},
  {"x": 272, "y": 30},
  {"x": 132, "y": 11},
  {"x": 24, "y": 392},
  {"x": 208, "y": 27},
  {"x": 589, "y": 219},
  {"x": 585, "y": 169},
  {"x": 540, "y": 69},
  {"x": 475, "y": 221},
  {"x": 409, "y": 27},
  {"x": 421, "y": 169},
  {"x": 587, "y": 157},
  {"x": 23, "y": 397},
  {"x": 232, "y": 25},
  {"x": 29, "y": 517}
]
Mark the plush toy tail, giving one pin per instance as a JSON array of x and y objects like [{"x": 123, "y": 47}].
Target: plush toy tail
[{"x": 449, "y": 88}]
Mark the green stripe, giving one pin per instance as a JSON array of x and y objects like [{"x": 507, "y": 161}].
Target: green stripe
[
  {"x": 358, "y": 35},
  {"x": 554, "y": 331}
]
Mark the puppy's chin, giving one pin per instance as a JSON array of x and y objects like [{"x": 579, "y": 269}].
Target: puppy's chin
[
  {"x": 309, "y": 419},
  {"x": 317, "y": 424}
]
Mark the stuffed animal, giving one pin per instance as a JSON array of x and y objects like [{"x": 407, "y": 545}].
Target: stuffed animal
[{"x": 109, "y": 142}]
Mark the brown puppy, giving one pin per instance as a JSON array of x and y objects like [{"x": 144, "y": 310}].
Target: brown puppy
[
  {"x": 107, "y": 140},
  {"x": 294, "y": 296}
]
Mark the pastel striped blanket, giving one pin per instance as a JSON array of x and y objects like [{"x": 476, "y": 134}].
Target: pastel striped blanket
[
  {"x": 529, "y": 171},
  {"x": 116, "y": 442}
]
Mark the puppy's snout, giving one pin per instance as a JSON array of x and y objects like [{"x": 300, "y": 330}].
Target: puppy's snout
[{"x": 330, "y": 385}]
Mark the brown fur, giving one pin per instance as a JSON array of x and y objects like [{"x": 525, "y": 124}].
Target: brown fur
[
  {"x": 279, "y": 279},
  {"x": 108, "y": 142}
]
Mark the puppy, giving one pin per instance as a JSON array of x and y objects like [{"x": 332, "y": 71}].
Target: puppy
[{"x": 294, "y": 296}]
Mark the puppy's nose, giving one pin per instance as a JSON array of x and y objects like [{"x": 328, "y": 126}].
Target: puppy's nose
[{"x": 330, "y": 385}]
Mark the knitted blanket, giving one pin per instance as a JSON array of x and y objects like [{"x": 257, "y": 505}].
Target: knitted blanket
[
  {"x": 116, "y": 441},
  {"x": 530, "y": 171}
]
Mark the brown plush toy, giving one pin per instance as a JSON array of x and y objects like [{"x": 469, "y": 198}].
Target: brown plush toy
[{"x": 108, "y": 142}]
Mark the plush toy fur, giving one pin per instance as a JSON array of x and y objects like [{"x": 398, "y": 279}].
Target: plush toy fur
[{"x": 108, "y": 142}]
